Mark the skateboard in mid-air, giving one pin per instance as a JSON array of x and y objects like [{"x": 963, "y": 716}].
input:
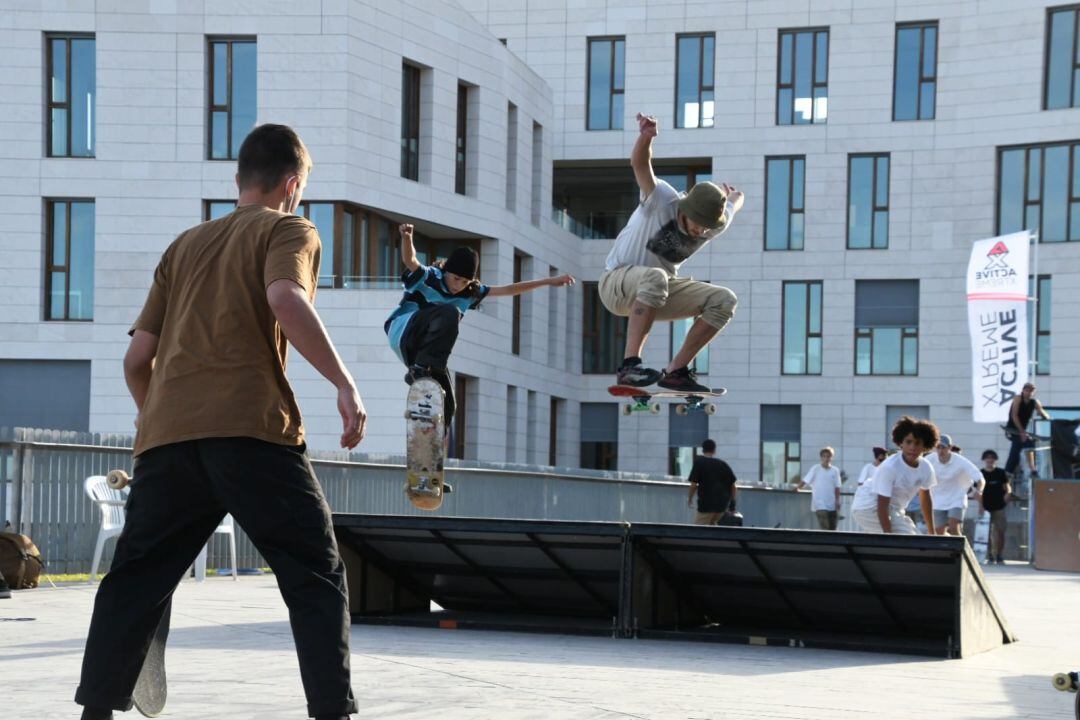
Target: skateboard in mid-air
[
  {"x": 425, "y": 446},
  {"x": 1068, "y": 682},
  {"x": 643, "y": 399},
  {"x": 151, "y": 689}
]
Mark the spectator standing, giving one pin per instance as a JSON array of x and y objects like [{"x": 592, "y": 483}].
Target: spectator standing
[
  {"x": 824, "y": 482},
  {"x": 955, "y": 476},
  {"x": 995, "y": 497},
  {"x": 713, "y": 481}
]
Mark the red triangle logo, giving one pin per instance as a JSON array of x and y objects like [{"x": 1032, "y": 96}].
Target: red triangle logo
[{"x": 998, "y": 249}]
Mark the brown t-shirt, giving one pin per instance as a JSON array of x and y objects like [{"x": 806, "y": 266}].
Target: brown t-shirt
[{"x": 220, "y": 364}]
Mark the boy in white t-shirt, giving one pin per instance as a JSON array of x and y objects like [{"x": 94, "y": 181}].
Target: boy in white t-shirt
[
  {"x": 824, "y": 481},
  {"x": 898, "y": 479},
  {"x": 955, "y": 476}
]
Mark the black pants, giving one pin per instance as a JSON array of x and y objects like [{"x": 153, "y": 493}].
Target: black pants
[
  {"x": 428, "y": 340},
  {"x": 180, "y": 494},
  {"x": 1016, "y": 449}
]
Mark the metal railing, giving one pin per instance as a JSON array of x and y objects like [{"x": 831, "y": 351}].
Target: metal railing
[{"x": 42, "y": 473}]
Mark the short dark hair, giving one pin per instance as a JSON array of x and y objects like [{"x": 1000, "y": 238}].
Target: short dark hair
[
  {"x": 269, "y": 154},
  {"x": 923, "y": 430},
  {"x": 989, "y": 454},
  {"x": 708, "y": 446}
]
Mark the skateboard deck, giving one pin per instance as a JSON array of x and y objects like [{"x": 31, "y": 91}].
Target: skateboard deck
[
  {"x": 151, "y": 689},
  {"x": 643, "y": 399},
  {"x": 425, "y": 425},
  {"x": 982, "y": 536}
]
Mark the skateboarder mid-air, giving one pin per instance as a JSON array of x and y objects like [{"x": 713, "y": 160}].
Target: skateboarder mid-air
[
  {"x": 641, "y": 279},
  {"x": 423, "y": 328},
  {"x": 219, "y": 431}
]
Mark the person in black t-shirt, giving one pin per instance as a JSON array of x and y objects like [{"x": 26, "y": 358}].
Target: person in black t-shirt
[
  {"x": 995, "y": 497},
  {"x": 714, "y": 483}
]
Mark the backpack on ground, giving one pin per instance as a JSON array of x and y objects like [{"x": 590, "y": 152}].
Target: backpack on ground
[{"x": 20, "y": 561}]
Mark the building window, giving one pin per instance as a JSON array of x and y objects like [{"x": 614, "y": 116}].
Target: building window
[
  {"x": 322, "y": 215},
  {"x": 868, "y": 201},
  {"x": 214, "y": 209},
  {"x": 785, "y": 180},
  {"x": 555, "y": 419},
  {"x": 69, "y": 260},
  {"x": 1039, "y": 189},
  {"x": 515, "y": 318},
  {"x": 781, "y": 435},
  {"x": 1061, "y": 88},
  {"x": 603, "y": 335},
  {"x": 232, "y": 89},
  {"x": 686, "y": 432},
  {"x": 537, "y": 171},
  {"x": 604, "y": 89},
  {"x": 694, "y": 80},
  {"x": 511, "y": 155},
  {"x": 461, "y": 133},
  {"x": 1039, "y": 324},
  {"x": 886, "y": 327},
  {"x": 595, "y": 201},
  {"x": 679, "y": 328},
  {"x": 915, "y": 71},
  {"x": 802, "y": 77},
  {"x": 410, "y": 122},
  {"x": 71, "y": 95},
  {"x": 457, "y": 427},
  {"x": 800, "y": 347},
  {"x": 600, "y": 436}
]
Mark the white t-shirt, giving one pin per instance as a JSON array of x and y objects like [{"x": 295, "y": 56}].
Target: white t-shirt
[
  {"x": 823, "y": 483},
  {"x": 900, "y": 482},
  {"x": 954, "y": 478},
  {"x": 652, "y": 236},
  {"x": 867, "y": 473}
]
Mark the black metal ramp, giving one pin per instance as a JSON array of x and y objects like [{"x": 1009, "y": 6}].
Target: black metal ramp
[
  {"x": 885, "y": 593},
  {"x": 508, "y": 574},
  {"x": 910, "y": 594}
]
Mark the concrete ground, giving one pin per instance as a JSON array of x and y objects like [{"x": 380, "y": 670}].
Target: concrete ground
[{"x": 231, "y": 656}]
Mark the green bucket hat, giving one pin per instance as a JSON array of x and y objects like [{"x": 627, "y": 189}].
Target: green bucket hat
[{"x": 704, "y": 204}]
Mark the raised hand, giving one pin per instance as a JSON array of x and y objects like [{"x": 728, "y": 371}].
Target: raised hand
[
  {"x": 647, "y": 125},
  {"x": 406, "y": 230},
  {"x": 735, "y": 197}
]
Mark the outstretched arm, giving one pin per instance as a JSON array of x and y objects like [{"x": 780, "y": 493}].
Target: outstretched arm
[
  {"x": 408, "y": 252},
  {"x": 525, "y": 286},
  {"x": 1041, "y": 410},
  {"x": 641, "y": 155}
]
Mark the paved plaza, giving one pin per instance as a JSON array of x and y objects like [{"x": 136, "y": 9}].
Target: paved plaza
[{"x": 231, "y": 656}]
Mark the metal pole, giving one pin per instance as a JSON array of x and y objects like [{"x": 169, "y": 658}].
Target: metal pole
[{"x": 1033, "y": 367}]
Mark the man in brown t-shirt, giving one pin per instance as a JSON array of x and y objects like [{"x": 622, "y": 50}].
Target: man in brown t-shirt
[{"x": 219, "y": 431}]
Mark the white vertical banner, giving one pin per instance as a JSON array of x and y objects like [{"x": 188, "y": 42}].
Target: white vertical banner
[{"x": 997, "y": 296}]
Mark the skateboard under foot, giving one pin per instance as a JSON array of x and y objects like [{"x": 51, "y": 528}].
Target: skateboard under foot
[
  {"x": 643, "y": 400},
  {"x": 425, "y": 428}
]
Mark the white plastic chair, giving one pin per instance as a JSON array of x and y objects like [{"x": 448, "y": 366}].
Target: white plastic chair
[
  {"x": 228, "y": 528},
  {"x": 111, "y": 504}
]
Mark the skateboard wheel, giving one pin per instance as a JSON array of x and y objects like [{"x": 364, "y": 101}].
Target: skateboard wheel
[
  {"x": 117, "y": 479},
  {"x": 655, "y": 409},
  {"x": 681, "y": 409},
  {"x": 1062, "y": 681},
  {"x": 627, "y": 409},
  {"x": 710, "y": 409}
]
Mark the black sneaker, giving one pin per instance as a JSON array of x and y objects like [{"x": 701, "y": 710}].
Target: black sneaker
[
  {"x": 415, "y": 372},
  {"x": 682, "y": 380},
  {"x": 636, "y": 375},
  {"x": 5, "y": 592},
  {"x": 1000, "y": 560}
]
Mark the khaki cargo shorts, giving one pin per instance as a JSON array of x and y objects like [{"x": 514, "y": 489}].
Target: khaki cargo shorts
[{"x": 673, "y": 297}]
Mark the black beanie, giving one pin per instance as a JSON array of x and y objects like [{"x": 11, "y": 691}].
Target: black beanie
[{"x": 462, "y": 262}]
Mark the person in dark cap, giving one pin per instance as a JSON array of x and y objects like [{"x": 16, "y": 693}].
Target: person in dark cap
[
  {"x": 641, "y": 274},
  {"x": 423, "y": 328}
]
